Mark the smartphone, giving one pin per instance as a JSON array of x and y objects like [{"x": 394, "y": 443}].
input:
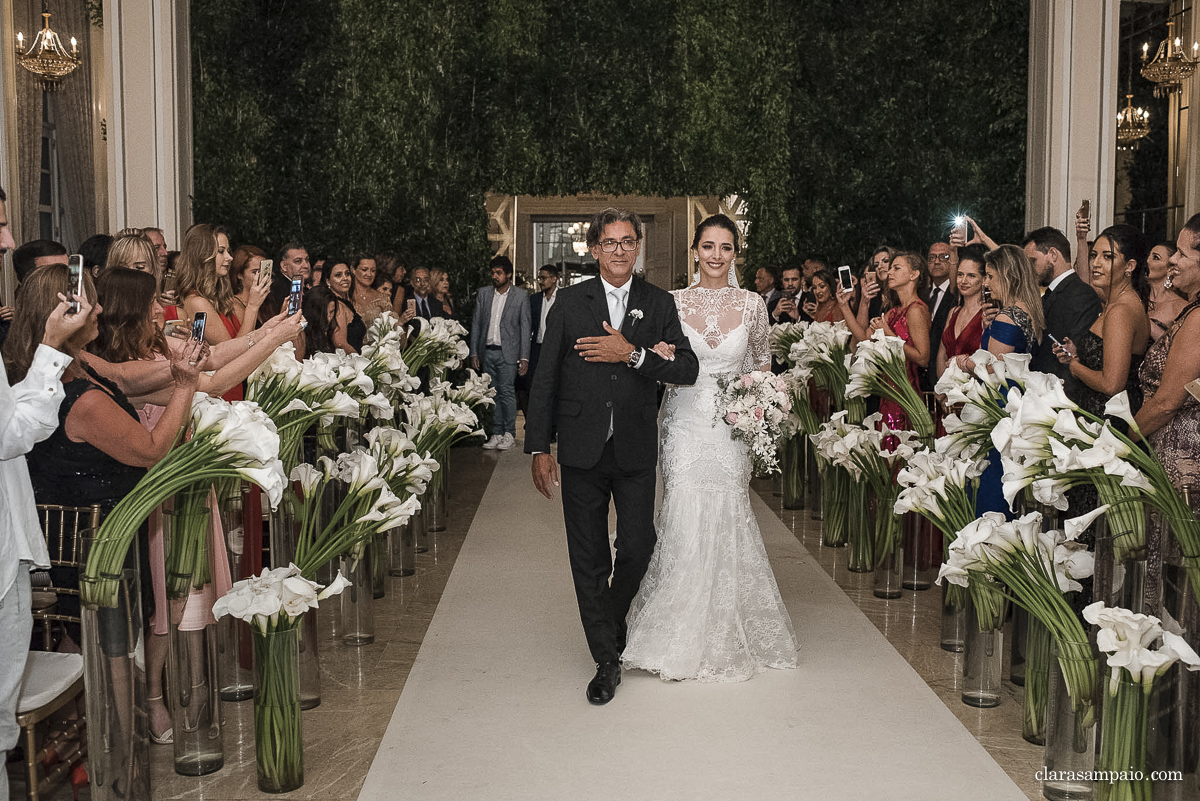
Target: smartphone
[
  {"x": 198, "y": 323},
  {"x": 412, "y": 305},
  {"x": 963, "y": 228},
  {"x": 1085, "y": 210},
  {"x": 295, "y": 296},
  {"x": 264, "y": 268},
  {"x": 75, "y": 271},
  {"x": 176, "y": 328},
  {"x": 1193, "y": 388},
  {"x": 869, "y": 277},
  {"x": 845, "y": 278},
  {"x": 986, "y": 295}
]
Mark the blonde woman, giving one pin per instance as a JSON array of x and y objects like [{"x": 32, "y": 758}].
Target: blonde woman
[{"x": 439, "y": 280}]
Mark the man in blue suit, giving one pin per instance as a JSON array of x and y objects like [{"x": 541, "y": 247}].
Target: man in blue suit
[{"x": 500, "y": 342}]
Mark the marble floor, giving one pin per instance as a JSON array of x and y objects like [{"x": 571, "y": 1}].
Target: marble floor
[{"x": 361, "y": 686}]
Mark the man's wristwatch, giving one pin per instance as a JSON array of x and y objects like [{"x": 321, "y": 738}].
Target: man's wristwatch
[{"x": 634, "y": 357}]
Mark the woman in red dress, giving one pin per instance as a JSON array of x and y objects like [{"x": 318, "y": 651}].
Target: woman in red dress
[
  {"x": 908, "y": 280},
  {"x": 964, "y": 326}
]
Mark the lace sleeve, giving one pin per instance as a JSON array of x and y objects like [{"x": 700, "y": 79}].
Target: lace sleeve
[{"x": 758, "y": 326}]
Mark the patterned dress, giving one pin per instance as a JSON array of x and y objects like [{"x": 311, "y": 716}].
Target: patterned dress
[{"x": 1178, "y": 442}]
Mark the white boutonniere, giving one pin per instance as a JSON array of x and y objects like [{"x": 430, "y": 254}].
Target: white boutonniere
[{"x": 635, "y": 314}]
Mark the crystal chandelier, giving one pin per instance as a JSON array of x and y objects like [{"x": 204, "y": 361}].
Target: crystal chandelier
[
  {"x": 1132, "y": 125},
  {"x": 47, "y": 58},
  {"x": 1171, "y": 66},
  {"x": 578, "y": 232}
]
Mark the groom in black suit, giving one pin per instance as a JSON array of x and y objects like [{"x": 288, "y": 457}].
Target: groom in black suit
[
  {"x": 1069, "y": 305},
  {"x": 598, "y": 384}
]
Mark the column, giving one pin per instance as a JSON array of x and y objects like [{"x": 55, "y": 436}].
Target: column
[
  {"x": 148, "y": 95},
  {"x": 1072, "y": 137}
]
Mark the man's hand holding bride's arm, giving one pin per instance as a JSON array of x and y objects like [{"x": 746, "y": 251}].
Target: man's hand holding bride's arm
[{"x": 665, "y": 351}]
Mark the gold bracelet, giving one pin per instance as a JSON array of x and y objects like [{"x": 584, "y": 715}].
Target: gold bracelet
[{"x": 250, "y": 341}]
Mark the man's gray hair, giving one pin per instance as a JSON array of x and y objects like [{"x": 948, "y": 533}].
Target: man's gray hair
[{"x": 609, "y": 216}]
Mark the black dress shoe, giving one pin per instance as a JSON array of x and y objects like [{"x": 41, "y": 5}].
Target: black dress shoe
[{"x": 603, "y": 687}]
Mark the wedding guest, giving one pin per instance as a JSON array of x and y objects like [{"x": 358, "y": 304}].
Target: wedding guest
[
  {"x": 159, "y": 240},
  {"x": 367, "y": 300},
  {"x": 500, "y": 345},
  {"x": 540, "y": 304},
  {"x": 202, "y": 281},
  {"x": 1166, "y": 301},
  {"x": 28, "y": 414},
  {"x": 943, "y": 271},
  {"x": 422, "y": 295},
  {"x": 317, "y": 274},
  {"x": 766, "y": 285},
  {"x": 345, "y": 326},
  {"x": 785, "y": 307},
  {"x": 35, "y": 254},
  {"x": 908, "y": 279},
  {"x": 877, "y": 273},
  {"x": 396, "y": 266},
  {"x": 95, "y": 253},
  {"x": 132, "y": 251},
  {"x": 1105, "y": 359},
  {"x": 823, "y": 308},
  {"x": 1170, "y": 415},
  {"x": 963, "y": 331},
  {"x": 383, "y": 285},
  {"x": 439, "y": 280},
  {"x": 243, "y": 276},
  {"x": 1017, "y": 328},
  {"x": 1069, "y": 305}
]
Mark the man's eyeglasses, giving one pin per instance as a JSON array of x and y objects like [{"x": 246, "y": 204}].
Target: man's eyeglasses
[
  {"x": 627, "y": 245},
  {"x": 939, "y": 257}
]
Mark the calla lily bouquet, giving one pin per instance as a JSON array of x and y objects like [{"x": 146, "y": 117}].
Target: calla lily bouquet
[
  {"x": 383, "y": 349},
  {"x": 1126, "y": 638},
  {"x": 879, "y": 369},
  {"x": 803, "y": 418},
  {"x": 837, "y": 483},
  {"x": 754, "y": 407},
  {"x": 273, "y": 604},
  {"x": 476, "y": 390},
  {"x": 440, "y": 345},
  {"x": 781, "y": 338},
  {"x": 825, "y": 347},
  {"x": 997, "y": 558},
  {"x": 297, "y": 394},
  {"x": 367, "y": 507},
  {"x": 228, "y": 440},
  {"x": 435, "y": 422}
]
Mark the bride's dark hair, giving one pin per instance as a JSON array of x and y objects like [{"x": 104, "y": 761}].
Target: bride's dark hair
[{"x": 717, "y": 221}]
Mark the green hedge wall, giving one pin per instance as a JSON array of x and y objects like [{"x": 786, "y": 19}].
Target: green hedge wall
[{"x": 368, "y": 125}]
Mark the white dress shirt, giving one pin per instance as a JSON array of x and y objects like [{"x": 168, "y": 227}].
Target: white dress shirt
[
  {"x": 547, "y": 302},
  {"x": 1054, "y": 284},
  {"x": 498, "y": 300},
  {"x": 941, "y": 289},
  {"x": 28, "y": 414}
]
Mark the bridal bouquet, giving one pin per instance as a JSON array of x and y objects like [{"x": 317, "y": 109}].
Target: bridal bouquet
[
  {"x": 1126, "y": 637},
  {"x": 754, "y": 407},
  {"x": 228, "y": 440},
  {"x": 439, "y": 345},
  {"x": 273, "y": 604},
  {"x": 879, "y": 368}
]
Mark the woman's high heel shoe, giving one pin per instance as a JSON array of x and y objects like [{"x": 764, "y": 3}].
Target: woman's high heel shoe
[{"x": 168, "y": 736}]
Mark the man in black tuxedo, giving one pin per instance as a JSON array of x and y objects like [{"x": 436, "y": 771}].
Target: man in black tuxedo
[
  {"x": 540, "y": 304},
  {"x": 598, "y": 384},
  {"x": 942, "y": 297},
  {"x": 1069, "y": 304}
]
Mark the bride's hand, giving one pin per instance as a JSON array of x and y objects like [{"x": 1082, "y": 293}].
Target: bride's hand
[{"x": 665, "y": 351}]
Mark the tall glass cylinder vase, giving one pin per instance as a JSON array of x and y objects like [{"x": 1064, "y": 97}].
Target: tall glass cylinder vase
[
  {"x": 1176, "y": 744},
  {"x": 815, "y": 470},
  {"x": 310, "y": 663},
  {"x": 1072, "y": 714},
  {"x": 1037, "y": 681},
  {"x": 954, "y": 617},
  {"x": 860, "y": 532},
  {"x": 1126, "y": 735},
  {"x": 835, "y": 501},
  {"x": 1016, "y": 657},
  {"x": 285, "y": 529},
  {"x": 402, "y": 549},
  {"x": 377, "y": 554},
  {"x": 357, "y": 602},
  {"x": 437, "y": 496},
  {"x": 195, "y": 701},
  {"x": 114, "y": 678},
  {"x": 922, "y": 552},
  {"x": 792, "y": 472},
  {"x": 983, "y": 653},
  {"x": 278, "y": 741},
  {"x": 421, "y": 535},
  {"x": 889, "y": 555},
  {"x": 236, "y": 668}
]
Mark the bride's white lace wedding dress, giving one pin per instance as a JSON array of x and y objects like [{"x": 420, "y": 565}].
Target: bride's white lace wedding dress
[{"x": 709, "y": 607}]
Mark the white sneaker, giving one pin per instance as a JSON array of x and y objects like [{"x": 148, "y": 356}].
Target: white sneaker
[
  {"x": 493, "y": 442},
  {"x": 506, "y": 442}
]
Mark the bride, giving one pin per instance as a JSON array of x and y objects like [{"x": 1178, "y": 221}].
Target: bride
[{"x": 709, "y": 608}]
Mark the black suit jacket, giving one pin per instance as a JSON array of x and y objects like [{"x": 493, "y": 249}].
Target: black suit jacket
[
  {"x": 1070, "y": 309},
  {"x": 936, "y": 326},
  {"x": 580, "y": 397}
]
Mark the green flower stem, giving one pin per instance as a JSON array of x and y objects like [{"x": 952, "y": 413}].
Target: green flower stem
[
  {"x": 835, "y": 482},
  {"x": 278, "y": 741},
  {"x": 989, "y": 604},
  {"x": 1123, "y": 739},
  {"x": 1037, "y": 663},
  {"x": 187, "y": 563}
]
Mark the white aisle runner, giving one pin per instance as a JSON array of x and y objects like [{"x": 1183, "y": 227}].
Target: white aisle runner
[{"x": 494, "y": 707}]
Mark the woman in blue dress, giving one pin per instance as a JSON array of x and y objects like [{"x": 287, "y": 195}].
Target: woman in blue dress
[{"x": 1016, "y": 328}]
